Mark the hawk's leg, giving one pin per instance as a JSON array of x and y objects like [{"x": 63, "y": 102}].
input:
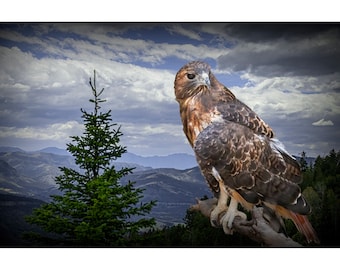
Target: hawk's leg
[
  {"x": 231, "y": 211},
  {"x": 220, "y": 208}
]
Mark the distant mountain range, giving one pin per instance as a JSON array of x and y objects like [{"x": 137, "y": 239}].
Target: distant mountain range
[
  {"x": 32, "y": 174},
  {"x": 177, "y": 161}
]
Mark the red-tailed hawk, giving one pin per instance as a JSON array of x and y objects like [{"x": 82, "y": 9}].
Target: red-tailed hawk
[{"x": 237, "y": 152}]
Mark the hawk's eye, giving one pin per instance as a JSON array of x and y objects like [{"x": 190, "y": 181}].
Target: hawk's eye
[{"x": 190, "y": 76}]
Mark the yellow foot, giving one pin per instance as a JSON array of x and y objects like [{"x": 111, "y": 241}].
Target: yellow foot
[{"x": 228, "y": 218}]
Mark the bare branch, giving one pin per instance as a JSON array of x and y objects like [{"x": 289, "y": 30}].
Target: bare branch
[{"x": 256, "y": 229}]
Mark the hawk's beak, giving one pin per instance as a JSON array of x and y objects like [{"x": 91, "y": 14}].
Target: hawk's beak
[{"x": 205, "y": 79}]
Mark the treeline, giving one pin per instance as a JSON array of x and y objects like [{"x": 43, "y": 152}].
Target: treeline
[{"x": 321, "y": 187}]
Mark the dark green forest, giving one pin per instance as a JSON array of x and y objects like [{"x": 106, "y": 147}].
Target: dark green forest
[{"x": 321, "y": 187}]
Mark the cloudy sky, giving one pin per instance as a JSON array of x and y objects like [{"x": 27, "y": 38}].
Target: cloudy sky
[{"x": 288, "y": 73}]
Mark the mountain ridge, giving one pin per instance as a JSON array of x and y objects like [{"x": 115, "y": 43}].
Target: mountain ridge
[{"x": 179, "y": 161}]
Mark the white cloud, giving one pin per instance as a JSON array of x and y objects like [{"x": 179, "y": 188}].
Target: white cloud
[
  {"x": 179, "y": 29},
  {"x": 47, "y": 82},
  {"x": 157, "y": 139},
  {"x": 135, "y": 129},
  {"x": 282, "y": 96},
  {"x": 323, "y": 122},
  {"x": 56, "y": 131}
]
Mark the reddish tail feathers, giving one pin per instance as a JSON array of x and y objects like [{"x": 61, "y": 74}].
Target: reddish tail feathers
[{"x": 303, "y": 225}]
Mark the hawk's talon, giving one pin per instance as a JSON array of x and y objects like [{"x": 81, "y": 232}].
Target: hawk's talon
[
  {"x": 215, "y": 223},
  {"x": 216, "y": 214},
  {"x": 228, "y": 218}
]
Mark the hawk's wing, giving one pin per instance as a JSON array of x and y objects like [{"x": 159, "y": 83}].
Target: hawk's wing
[
  {"x": 238, "y": 112},
  {"x": 251, "y": 164}
]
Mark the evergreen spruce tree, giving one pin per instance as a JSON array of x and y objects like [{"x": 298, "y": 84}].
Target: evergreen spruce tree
[
  {"x": 303, "y": 162},
  {"x": 95, "y": 209}
]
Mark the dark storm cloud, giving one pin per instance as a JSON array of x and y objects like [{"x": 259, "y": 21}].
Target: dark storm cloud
[
  {"x": 283, "y": 49},
  {"x": 263, "y": 32}
]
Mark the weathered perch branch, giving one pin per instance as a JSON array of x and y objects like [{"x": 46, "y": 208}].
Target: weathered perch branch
[{"x": 256, "y": 229}]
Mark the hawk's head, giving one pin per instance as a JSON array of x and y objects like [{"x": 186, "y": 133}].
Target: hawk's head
[{"x": 191, "y": 79}]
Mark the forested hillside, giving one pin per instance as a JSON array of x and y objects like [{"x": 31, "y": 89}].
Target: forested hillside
[{"x": 321, "y": 187}]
